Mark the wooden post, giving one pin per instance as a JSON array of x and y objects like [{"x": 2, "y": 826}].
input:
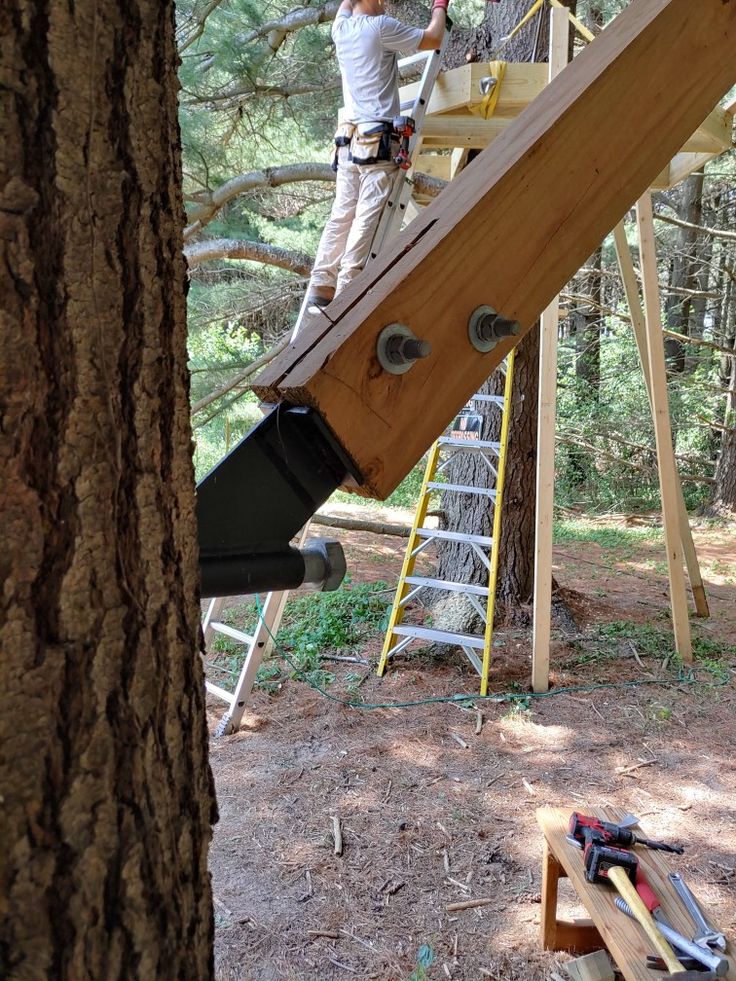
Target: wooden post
[
  {"x": 662, "y": 427},
  {"x": 558, "y": 55},
  {"x": 628, "y": 276}
]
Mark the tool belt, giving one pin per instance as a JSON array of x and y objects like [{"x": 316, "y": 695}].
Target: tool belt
[{"x": 369, "y": 143}]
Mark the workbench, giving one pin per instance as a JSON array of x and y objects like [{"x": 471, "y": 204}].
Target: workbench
[{"x": 607, "y": 926}]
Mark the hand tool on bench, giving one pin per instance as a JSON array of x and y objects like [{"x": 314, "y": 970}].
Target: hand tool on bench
[
  {"x": 706, "y": 935},
  {"x": 617, "y": 835},
  {"x": 619, "y": 867},
  {"x": 717, "y": 965}
]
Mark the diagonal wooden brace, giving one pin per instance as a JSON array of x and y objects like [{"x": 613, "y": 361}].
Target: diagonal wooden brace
[{"x": 508, "y": 233}]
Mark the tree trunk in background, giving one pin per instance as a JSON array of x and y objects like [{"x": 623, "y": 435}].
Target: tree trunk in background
[
  {"x": 684, "y": 270},
  {"x": 586, "y": 320},
  {"x": 724, "y": 495},
  {"x": 107, "y": 794},
  {"x": 474, "y": 515}
]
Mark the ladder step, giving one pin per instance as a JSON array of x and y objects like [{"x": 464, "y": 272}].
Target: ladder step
[
  {"x": 498, "y": 399},
  {"x": 461, "y": 489},
  {"x": 452, "y": 587},
  {"x": 414, "y": 59},
  {"x": 440, "y": 636},
  {"x": 226, "y": 696},
  {"x": 455, "y": 536},
  {"x": 470, "y": 444},
  {"x": 223, "y": 628}
]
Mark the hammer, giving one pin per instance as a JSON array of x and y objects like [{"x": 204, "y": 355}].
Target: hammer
[{"x": 614, "y": 865}]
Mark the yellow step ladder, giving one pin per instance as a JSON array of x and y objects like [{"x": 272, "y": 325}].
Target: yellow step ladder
[{"x": 400, "y": 633}]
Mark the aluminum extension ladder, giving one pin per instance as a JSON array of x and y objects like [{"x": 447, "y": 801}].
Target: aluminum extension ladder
[
  {"x": 258, "y": 643},
  {"x": 481, "y": 597}
]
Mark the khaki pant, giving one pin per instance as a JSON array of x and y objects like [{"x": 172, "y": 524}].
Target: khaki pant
[{"x": 359, "y": 199}]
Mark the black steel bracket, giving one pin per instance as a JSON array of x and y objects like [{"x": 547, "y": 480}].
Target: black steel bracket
[{"x": 257, "y": 498}]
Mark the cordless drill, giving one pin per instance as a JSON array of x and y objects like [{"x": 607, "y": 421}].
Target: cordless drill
[
  {"x": 404, "y": 128},
  {"x": 583, "y": 826}
]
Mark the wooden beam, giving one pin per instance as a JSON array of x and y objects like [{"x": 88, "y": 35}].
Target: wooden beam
[
  {"x": 662, "y": 427},
  {"x": 559, "y": 45},
  {"x": 460, "y": 87},
  {"x": 712, "y": 137},
  {"x": 508, "y": 232},
  {"x": 684, "y": 164},
  {"x": 631, "y": 289},
  {"x": 435, "y": 165},
  {"x": 466, "y": 131}
]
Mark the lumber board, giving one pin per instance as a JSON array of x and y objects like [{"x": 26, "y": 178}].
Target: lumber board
[
  {"x": 559, "y": 46},
  {"x": 509, "y": 232},
  {"x": 638, "y": 322},
  {"x": 680, "y": 167},
  {"x": 459, "y": 88},
  {"x": 668, "y": 478},
  {"x": 712, "y": 136},
  {"x": 623, "y": 937},
  {"x": 434, "y": 165}
]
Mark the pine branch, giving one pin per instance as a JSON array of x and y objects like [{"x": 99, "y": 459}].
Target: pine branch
[
  {"x": 195, "y": 27},
  {"x": 276, "y": 31},
  {"x": 233, "y": 248},
  {"x": 241, "y": 377},
  {"x": 204, "y": 205}
]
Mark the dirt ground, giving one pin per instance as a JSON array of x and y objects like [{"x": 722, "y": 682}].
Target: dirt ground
[{"x": 428, "y": 819}]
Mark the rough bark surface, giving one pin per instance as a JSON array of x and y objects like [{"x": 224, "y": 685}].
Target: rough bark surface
[
  {"x": 107, "y": 794},
  {"x": 473, "y": 515}
]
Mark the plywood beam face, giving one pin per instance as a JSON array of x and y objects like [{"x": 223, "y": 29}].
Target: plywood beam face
[
  {"x": 508, "y": 232},
  {"x": 631, "y": 289},
  {"x": 662, "y": 428}
]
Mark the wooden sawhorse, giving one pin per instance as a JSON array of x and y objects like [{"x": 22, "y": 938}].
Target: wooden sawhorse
[{"x": 607, "y": 926}]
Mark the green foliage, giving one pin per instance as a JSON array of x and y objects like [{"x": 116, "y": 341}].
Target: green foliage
[
  {"x": 603, "y": 535},
  {"x": 313, "y": 624},
  {"x": 654, "y": 641}
]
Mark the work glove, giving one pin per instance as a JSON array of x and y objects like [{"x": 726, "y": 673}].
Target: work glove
[{"x": 442, "y": 4}]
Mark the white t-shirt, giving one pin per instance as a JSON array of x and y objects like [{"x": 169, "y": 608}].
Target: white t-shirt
[{"x": 366, "y": 51}]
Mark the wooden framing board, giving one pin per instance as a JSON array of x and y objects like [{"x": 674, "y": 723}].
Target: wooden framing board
[
  {"x": 509, "y": 232},
  {"x": 559, "y": 45},
  {"x": 662, "y": 428},
  {"x": 712, "y": 137},
  {"x": 460, "y": 88},
  {"x": 631, "y": 289}
]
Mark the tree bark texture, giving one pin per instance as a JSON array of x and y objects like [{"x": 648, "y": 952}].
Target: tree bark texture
[
  {"x": 472, "y": 515},
  {"x": 107, "y": 793},
  {"x": 684, "y": 270}
]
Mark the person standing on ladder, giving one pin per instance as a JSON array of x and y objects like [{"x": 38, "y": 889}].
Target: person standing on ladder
[{"x": 367, "y": 42}]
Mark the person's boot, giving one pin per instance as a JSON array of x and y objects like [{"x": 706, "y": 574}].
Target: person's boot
[{"x": 319, "y": 297}]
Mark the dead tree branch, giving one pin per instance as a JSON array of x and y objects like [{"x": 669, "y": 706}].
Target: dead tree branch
[
  {"x": 242, "y": 376},
  {"x": 233, "y": 248}
]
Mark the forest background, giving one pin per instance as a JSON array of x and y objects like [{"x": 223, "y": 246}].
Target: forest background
[{"x": 260, "y": 94}]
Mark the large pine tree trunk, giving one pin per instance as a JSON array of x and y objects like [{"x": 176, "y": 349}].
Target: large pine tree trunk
[
  {"x": 107, "y": 794},
  {"x": 516, "y": 558}
]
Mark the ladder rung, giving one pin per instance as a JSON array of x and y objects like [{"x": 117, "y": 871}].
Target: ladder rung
[
  {"x": 470, "y": 444},
  {"x": 461, "y": 489},
  {"x": 452, "y": 587},
  {"x": 223, "y": 628},
  {"x": 415, "y": 59},
  {"x": 226, "y": 696},
  {"x": 498, "y": 399},
  {"x": 441, "y": 636},
  {"x": 455, "y": 536}
]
